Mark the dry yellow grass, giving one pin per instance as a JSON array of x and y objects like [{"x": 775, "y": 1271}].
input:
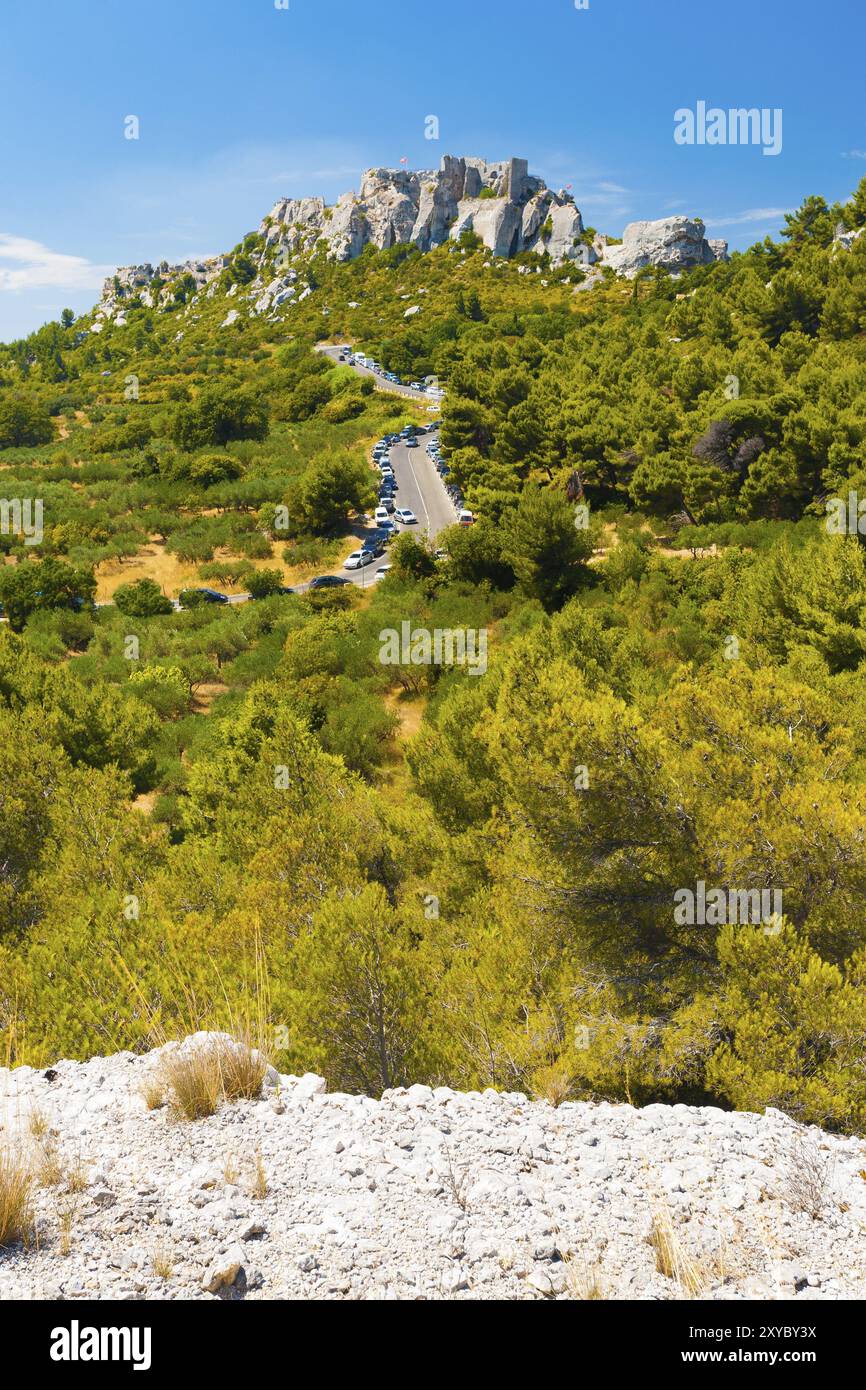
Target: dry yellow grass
[
  {"x": 243, "y": 1070},
  {"x": 672, "y": 1260},
  {"x": 205, "y": 695},
  {"x": 260, "y": 1180},
  {"x": 152, "y": 562},
  {"x": 196, "y": 1080},
  {"x": 553, "y": 1083},
  {"x": 152, "y": 1091},
  {"x": 582, "y": 1283},
  {"x": 193, "y": 1083},
  {"x": 16, "y": 1190},
  {"x": 51, "y": 1170},
  {"x": 172, "y": 575}
]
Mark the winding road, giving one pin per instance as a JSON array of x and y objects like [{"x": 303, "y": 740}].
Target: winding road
[{"x": 419, "y": 487}]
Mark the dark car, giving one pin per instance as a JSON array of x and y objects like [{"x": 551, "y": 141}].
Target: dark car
[
  {"x": 205, "y": 596},
  {"x": 375, "y": 545},
  {"x": 328, "y": 581}
]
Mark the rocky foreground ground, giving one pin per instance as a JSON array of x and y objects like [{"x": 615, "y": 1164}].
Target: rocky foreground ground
[{"x": 422, "y": 1194}]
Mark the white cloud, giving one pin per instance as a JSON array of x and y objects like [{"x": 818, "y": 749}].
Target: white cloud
[
  {"x": 854, "y": 154},
  {"x": 740, "y": 219},
  {"x": 28, "y": 265}
]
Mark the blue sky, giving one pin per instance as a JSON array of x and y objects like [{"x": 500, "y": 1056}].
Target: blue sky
[{"x": 240, "y": 102}]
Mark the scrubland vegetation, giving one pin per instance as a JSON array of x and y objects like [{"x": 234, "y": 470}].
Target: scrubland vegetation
[{"x": 403, "y": 870}]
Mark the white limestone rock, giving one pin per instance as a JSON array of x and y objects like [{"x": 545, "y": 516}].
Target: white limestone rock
[
  {"x": 419, "y": 1194},
  {"x": 673, "y": 243}
]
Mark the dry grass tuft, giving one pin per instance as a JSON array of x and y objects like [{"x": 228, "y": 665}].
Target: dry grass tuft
[
  {"x": 51, "y": 1170},
  {"x": 38, "y": 1125},
  {"x": 16, "y": 1189},
  {"x": 243, "y": 1070},
  {"x": 193, "y": 1081},
  {"x": 554, "y": 1084},
  {"x": 152, "y": 1091},
  {"x": 196, "y": 1080},
  {"x": 260, "y": 1180},
  {"x": 671, "y": 1259},
  {"x": 584, "y": 1284},
  {"x": 67, "y": 1223},
  {"x": 76, "y": 1178}
]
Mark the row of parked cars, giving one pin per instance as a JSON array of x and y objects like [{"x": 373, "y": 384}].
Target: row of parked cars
[
  {"x": 360, "y": 359},
  {"x": 464, "y": 516}
]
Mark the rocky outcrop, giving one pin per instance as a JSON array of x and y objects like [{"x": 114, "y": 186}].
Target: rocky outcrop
[
  {"x": 131, "y": 281},
  {"x": 673, "y": 243},
  {"x": 419, "y": 1194},
  {"x": 510, "y": 210},
  {"x": 845, "y": 238}
]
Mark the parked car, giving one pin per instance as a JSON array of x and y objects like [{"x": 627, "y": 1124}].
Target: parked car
[
  {"x": 358, "y": 559},
  {"x": 382, "y": 571},
  {"x": 407, "y": 517},
  {"x": 465, "y": 518},
  {"x": 374, "y": 545},
  {"x": 380, "y": 514},
  {"x": 328, "y": 581},
  {"x": 206, "y": 596}
]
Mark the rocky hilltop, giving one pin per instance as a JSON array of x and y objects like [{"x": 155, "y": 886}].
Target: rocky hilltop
[
  {"x": 420, "y": 1194},
  {"x": 510, "y": 210},
  {"x": 505, "y": 206}
]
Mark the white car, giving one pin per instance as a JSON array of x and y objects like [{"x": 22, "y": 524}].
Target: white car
[
  {"x": 382, "y": 571},
  {"x": 407, "y": 517},
  {"x": 380, "y": 515},
  {"x": 358, "y": 559}
]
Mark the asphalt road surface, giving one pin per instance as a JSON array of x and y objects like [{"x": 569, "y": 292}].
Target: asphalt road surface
[
  {"x": 381, "y": 384},
  {"x": 419, "y": 488}
]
